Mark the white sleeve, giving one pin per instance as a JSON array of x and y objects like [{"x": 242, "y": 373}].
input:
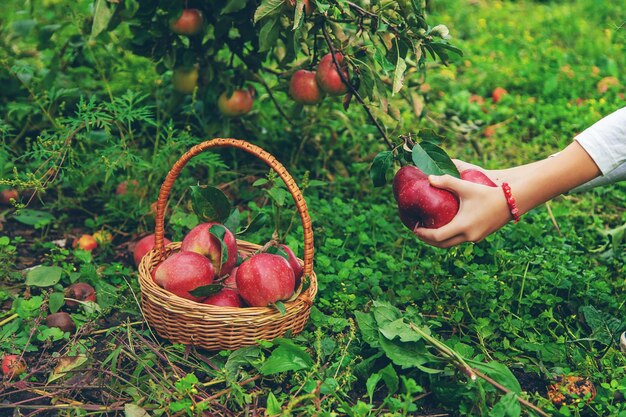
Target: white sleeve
[
  {"x": 618, "y": 174},
  {"x": 605, "y": 141}
]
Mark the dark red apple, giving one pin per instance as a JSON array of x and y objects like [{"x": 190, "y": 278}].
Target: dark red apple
[
  {"x": 80, "y": 291},
  {"x": 265, "y": 278},
  {"x": 85, "y": 242},
  {"x": 240, "y": 102},
  {"x": 189, "y": 23},
  {"x": 478, "y": 177},
  {"x": 61, "y": 320},
  {"x": 303, "y": 88},
  {"x": 145, "y": 245},
  {"x": 298, "y": 270},
  {"x": 7, "y": 195},
  {"x": 328, "y": 77},
  {"x": 13, "y": 365},
  {"x": 421, "y": 204},
  {"x": 201, "y": 241},
  {"x": 183, "y": 272},
  {"x": 225, "y": 298}
]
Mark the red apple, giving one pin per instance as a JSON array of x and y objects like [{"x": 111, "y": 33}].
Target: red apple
[
  {"x": 328, "y": 77},
  {"x": 240, "y": 102},
  {"x": 145, "y": 245},
  {"x": 230, "y": 281},
  {"x": 182, "y": 272},
  {"x": 303, "y": 88},
  {"x": 478, "y": 177},
  {"x": 13, "y": 365},
  {"x": 265, "y": 278},
  {"x": 185, "y": 79},
  {"x": 85, "y": 242},
  {"x": 61, "y": 320},
  {"x": 498, "y": 93},
  {"x": 80, "y": 291},
  {"x": 189, "y": 23},
  {"x": 201, "y": 241},
  {"x": 298, "y": 270},
  {"x": 421, "y": 204},
  {"x": 7, "y": 195},
  {"x": 122, "y": 187},
  {"x": 225, "y": 298}
]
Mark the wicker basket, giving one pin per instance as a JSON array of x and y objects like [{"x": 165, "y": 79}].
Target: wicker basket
[{"x": 214, "y": 327}]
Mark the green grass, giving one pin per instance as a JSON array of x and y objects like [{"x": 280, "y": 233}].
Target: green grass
[{"x": 532, "y": 300}]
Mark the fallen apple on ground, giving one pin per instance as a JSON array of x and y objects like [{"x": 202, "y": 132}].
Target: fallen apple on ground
[
  {"x": 79, "y": 291},
  {"x": 183, "y": 272},
  {"x": 61, "y": 320},
  {"x": 13, "y": 365},
  {"x": 200, "y": 240},
  {"x": 7, "y": 195},
  {"x": 265, "y": 278},
  {"x": 85, "y": 242}
]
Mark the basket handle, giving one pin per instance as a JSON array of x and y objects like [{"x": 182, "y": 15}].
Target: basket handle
[{"x": 259, "y": 153}]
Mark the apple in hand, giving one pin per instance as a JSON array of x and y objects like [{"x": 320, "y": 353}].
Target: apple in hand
[
  {"x": 477, "y": 176},
  {"x": 328, "y": 77},
  {"x": 225, "y": 298},
  {"x": 298, "y": 270},
  {"x": 182, "y": 272},
  {"x": 145, "y": 245},
  {"x": 240, "y": 102},
  {"x": 265, "y": 278},
  {"x": 189, "y": 23},
  {"x": 303, "y": 88},
  {"x": 419, "y": 203},
  {"x": 13, "y": 366},
  {"x": 201, "y": 241}
]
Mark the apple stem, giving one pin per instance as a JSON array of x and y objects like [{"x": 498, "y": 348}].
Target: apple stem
[{"x": 353, "y": 90}]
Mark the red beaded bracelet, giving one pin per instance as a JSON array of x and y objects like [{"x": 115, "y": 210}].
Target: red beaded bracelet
[{"x": 510, "y": 200}]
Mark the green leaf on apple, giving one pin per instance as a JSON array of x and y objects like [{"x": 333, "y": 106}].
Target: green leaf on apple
[
  {"x": 381, "y": 164},
  {"x": 277, "y": 250},
  {"x": 210, "y": 203},
  {"x": 219, "y": 231},
  {"x": 280, "y": 306},
  {"x": 433, "y": 160},
  {"x": 206, "y": 290},
  {"x": 255, "y": 224},
  {"x": 232, "y": 222}
]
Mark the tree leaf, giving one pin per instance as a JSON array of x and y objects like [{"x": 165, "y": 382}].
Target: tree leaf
[
  {"x": 101, "y": 17},
  {"x": 67, "y": 364},
  {"x": 44, "y": 276},
  {"x": 286, "y": 357},
  {"x": 234, "y": 6},
  {"x": 133, "y": 410},
  {"x": 433, "y": 160},
  {"x": 381, "y": 164},
  {"x": 56, "y": 301},
  {"x": 34, "y": 218},
  {"x": 398, "y": 76},
  {"x": 268, "y": 8},
  {"x": 219, "y": 231},
  {"x": 604, "y": 327},
  {"x": 367, "y": 326},
  {"x": 398, "y": 328},
  {"x": 499, "y": 373},
  {"x": 233, "y": 221},
  {"x": 273, "y": 407},
  {"x": 508, "y": 406},
  {"x": 280, "y": 306},
  {"x": 256, "y": 223},
  {"x": 298, "y": 14},
  {"x": 269, "y": 34},
  {"x": 210, "y": 203},
  {"x": 206, "y": 290},
  {"x": 371, "y": 383},
  {"x": 390, "y": 376}
]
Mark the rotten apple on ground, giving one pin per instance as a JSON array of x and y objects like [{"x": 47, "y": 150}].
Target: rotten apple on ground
[
  {"x": 264, "y": 279},
  {"x": 189, "y": 23},
  {"x": 13, "y": 365},
  {"x": 183, "y": 272},
  {"x": 61, "y": 320},
  {"x": 7, "y": 195},
  {"x": 85, "y": 242},
  {"x": 329, "y": 78},
  {"x": 145, "y": 245},
  {"x": 79, "y": 291},
  {"x": 238, "y": 103},
  {"x": 200, "y": 240},
  {"x": 304, "y": 89}
]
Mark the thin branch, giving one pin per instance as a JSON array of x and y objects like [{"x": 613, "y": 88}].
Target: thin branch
[
  {"x": 353, "y": 91},
  {"x": 276, "y": 103}
]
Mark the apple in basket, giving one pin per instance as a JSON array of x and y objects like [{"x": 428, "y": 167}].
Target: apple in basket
[
  {"x": 145, "y": 245},
  {"x": 265, "y": 278},
  {"x": 202, "y": 241},
  {"x": 183, "y": 272},
  {"x": 227, "y": 297},
  {"x": 298, "y": 270}
]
